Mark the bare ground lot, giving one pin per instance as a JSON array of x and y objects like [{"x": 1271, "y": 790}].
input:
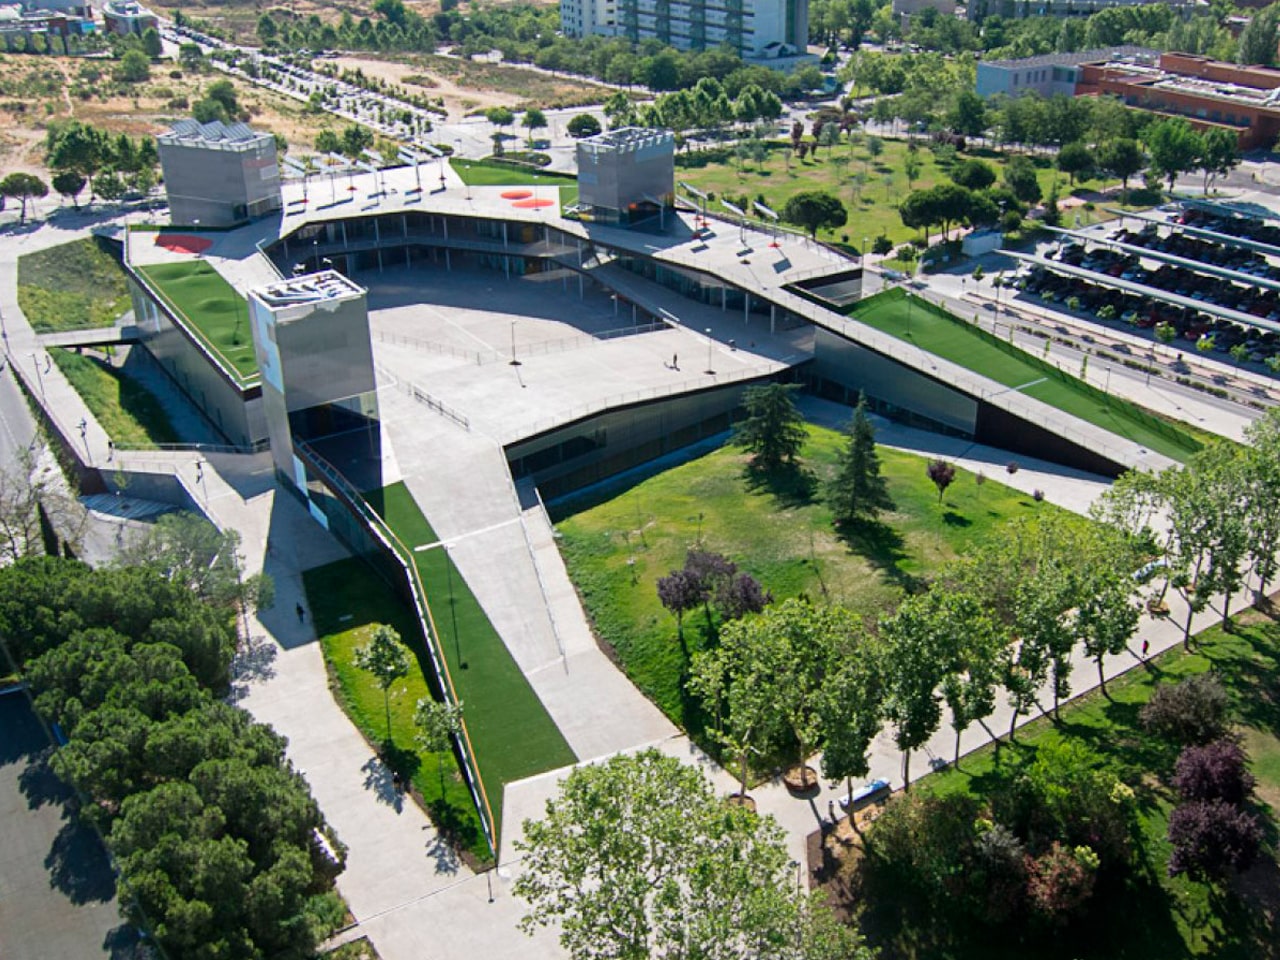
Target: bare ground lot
[{"x": 37, "y": 89}]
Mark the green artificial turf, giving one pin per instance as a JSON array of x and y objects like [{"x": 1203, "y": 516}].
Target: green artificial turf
[
  {"x": 1162, "y": 917},
  {"x": 72, "y": 286},
  {"x": 212, "y": 308},
  {"x": 477, "y": 173},
  {"x": 126, "y": 410},
  {"x": 617, "y": 550},
  {"x": 926, "y": 326},
  {"x": 513, "y": 735},
  {"x": 347, "y": 600}
]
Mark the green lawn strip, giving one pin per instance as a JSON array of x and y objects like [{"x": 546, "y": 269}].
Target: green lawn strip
[
  {"x": 513, "y": 735},
  {"x": 72, "y": 286},
  {"x": 125, "y": 409},
  {"x": 211, "y": 307},
  {"x": 477, "y": 173},
  {"x": 957, "y": 341},
  {"x": 1167, "y": 917},
  {"x": 616, "y": 550},
  {"x": 347, "y": 599}
]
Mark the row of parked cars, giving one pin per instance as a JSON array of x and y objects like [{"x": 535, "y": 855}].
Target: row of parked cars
[
  {"x": 1260, "y": 231},
  {"x": 1108, "y": 304},
  {"x": 1201, "y": 251}
]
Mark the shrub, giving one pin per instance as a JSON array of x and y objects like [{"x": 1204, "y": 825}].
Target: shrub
[
  {"x": 1215, "y": 771},
  {"x": 1193, "y": 710},
  {"x": 1011, "y": 467},
  {"x": 881, "y": 245},
  {"x": 1060, "y": 881},
  {"x": 1107, "y": 312},
  {"x": 920, "y": 845},
  {"x": 1073, "y": 303},
  {"x": 1211, "y": 838}
]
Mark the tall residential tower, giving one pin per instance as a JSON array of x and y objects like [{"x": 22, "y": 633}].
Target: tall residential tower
[{"x": 755, "y": 28}]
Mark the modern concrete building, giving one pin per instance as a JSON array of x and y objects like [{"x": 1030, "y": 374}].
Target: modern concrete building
[
  {"x": 125, "y": 17},
  {"x": 311, "y": 338},
  {"x": 218, "y": 175},
  {"x": 1052, "y": 73},
  {"x": 755, "y": 28},
  {"x": 626, "y": 175}
]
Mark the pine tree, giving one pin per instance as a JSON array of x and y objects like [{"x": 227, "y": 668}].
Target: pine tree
[{"x": 858, "y": 492}]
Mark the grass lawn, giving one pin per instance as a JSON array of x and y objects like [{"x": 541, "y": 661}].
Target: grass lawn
[
  {"x": 1162, "y": 917},
  {"x": 477, "y": 173},
  {"x": 617, "y": 550},
  {"x": 347, "y": 600},
  {"x": 211, "y": 306},
  {"x": 72, "y": 286},
  {"x": 873, "y": 209},
  {"x": 957, "y": 341},
  {"x": 129, "y": 413},
  {"x": 513, "y": 735}
]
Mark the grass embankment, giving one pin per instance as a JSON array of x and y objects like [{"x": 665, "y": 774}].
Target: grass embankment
[
  {"x": 212, "y": 308},
  {"x": 873, "y": 209},
  {"x": 952, "y": 339},
  {"x": 1163, "y": 918},
  {"x": 73, "y": 286},
  {"x": 510, "y": 731},
  {"x": 478, "y": 173},
  {"x": 129, "y": 413},
  {"x": 617, "y": 550}
]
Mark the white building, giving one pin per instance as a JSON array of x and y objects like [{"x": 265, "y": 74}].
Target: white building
[{"x": 755, "y": 28}]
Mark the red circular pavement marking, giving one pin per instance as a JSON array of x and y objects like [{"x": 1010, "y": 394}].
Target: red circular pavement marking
[
  {"x": 533, "y": 204},
  {"x": 516, "y": 194},
  {"x": 183, "y": 242}
]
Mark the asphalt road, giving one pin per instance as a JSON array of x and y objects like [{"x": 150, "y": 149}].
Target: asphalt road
[{"x": 57, "y": 890}]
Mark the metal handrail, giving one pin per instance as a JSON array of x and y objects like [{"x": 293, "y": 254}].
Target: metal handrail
[{"x": 383, "y": 532}]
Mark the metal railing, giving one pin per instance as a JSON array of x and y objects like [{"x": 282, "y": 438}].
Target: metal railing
[
  {"x": 434, "y": 403},
  {"x": 432, "y": 346},
  {"x": 382, "y": 532}
]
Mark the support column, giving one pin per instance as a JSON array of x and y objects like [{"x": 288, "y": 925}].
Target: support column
[
  {"x": 773, "y": 316},
  {"x": 407, "y": 262},
  {"x": 504, "y": 231},
  {"x": 724, "y": 299},
  {"x": 746, "y": 308},
  {"x": 448, "y": 261},
  {"x": 343, "y": 224},
  {"x": 445, "y": 222},
  {"x": 506, "y": 266}
]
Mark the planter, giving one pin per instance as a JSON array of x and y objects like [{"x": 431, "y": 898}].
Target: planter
[
  {"x": 742, "y": 800},
  {"x": 800, "y": 780}
]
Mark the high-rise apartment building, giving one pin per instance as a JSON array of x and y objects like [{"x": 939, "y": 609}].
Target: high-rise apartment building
[{"x": 755, "y": 28}]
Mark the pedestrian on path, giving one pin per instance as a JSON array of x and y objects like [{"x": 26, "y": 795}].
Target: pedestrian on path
[
  {"x": 1146, "y": 645},
  {"x": 302, "y": 614},
  {"x": 675, "y": 365},
  {"x": 831, "y": 811}
]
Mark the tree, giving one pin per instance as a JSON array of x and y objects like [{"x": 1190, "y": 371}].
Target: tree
[
  {"x": 23, "y": 187},
  {"x": 635, "y": 858},
  {"x": 134, "y": 67},
  {"x": 915, "y": 659},
  {"x": 1106, "y": 616},
  {"x": 679, "y": 592},
  {"x": 851, "y": 707},
  {"x": 1174, "y": 146},
  {"x": 1060, "y": 881},
  {"x": 942, "y": 474},
  {"x": 500, "y": 117},
  {"x": 68, "y": 183},
  {"x": 1052, "y": 213},
  {"x": 1075, "y": 160},
  {"x": 1219, "y": 154},
  {"x": 1020, "y": 177},
  {"x": 1166, "y": 333},
  {"x": 1262, "y": 497},
  {"x": 356, "y": 139},
  {"x": 33, "y": 494},
  {"x": 1214, "y": 771},
  {"x": 773, "y": 431},
  {"x": 814, "y": 210},
  {"x": 224, "y": 92},
  {"x": 534, "y": 120},
  {"x": 583, "y": 125},
  {"x": 973, "y": 175},
  {"x": 973, "y": 643},
  {"x": 436, "y": 725},
  {"x": 327, "y": 141},
  {"x": 1258, "y": 39},
  {"x": 1212, "y": 839},
  {"x": 968, "y": 114},
  {"x": 387, "y": 659},
  {"x": 267, "y": 30},
  {"x": 1123, "y": 158},
  {"x": 1190, "y": 711},
  {"x": 911, "y": 169},
  {"x": 858, "y": 492},
  {"x": 151, "y": 44}
]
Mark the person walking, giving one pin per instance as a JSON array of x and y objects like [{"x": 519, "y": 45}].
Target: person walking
[
  {"x": 1146, "y": 646},
  {"x": 302, "y": 614},
  {"x": 675, "y": 358}
]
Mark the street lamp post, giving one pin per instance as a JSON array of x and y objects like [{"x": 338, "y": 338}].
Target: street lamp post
[
  {"x": 514, "y": 361},
  {"x": 35, "y": 362},
  {"x": 710, "y": 370}
]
